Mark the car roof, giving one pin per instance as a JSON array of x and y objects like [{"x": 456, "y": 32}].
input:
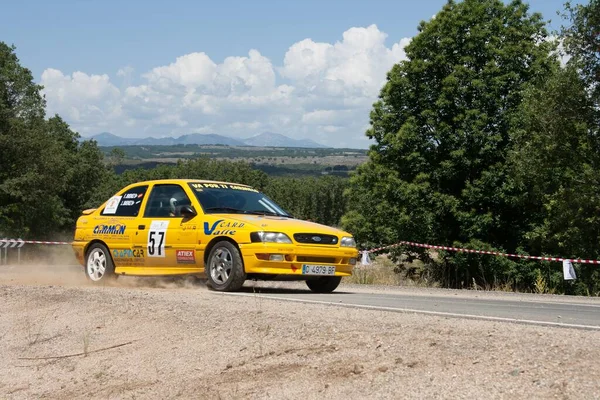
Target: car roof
[{"x": 181, "y": 181}]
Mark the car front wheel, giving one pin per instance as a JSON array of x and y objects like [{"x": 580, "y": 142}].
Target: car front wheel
[
  {"x": 324, "y": 284},
  {"x": 99, "y": 266},
  {"x": 225, "y": 267}
]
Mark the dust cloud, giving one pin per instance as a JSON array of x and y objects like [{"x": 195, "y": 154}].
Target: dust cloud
[{"x": 59, "y": 267}]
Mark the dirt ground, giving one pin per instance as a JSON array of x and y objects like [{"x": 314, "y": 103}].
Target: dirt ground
[{"x": 150, "y": 338}]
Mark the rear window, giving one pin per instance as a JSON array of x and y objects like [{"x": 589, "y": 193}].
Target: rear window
[{"x": 126, "y": 205}]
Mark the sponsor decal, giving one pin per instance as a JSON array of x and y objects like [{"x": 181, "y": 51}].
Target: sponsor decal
[
  {"x": 209, "y": 230},
  {"x": 133, "y": 196},
  {"x": 127, "y": 203},
  {"x": 111, "y": 205},
  {"x": 229, "y": 224},
  {"x": 128, "y": 257},
  {"x": 157, "y": 237},
  {"x": 188, "y": 227},
  {"x": 186, "y": 256},
  {"x": 128, "y": 253},
  {"x": 199, "y": 186},
  {"x": 225, "y": 227},
  {"x": 116, "y": 229}
]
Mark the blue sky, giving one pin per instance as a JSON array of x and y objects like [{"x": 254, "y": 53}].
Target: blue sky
[{"x": 150, "y": 68}]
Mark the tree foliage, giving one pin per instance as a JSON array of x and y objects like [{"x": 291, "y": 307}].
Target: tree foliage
[
  {"x": 582, "y": 42},
  {"x": 46, "y": 175},
  {"x": 442, "y": 129}
]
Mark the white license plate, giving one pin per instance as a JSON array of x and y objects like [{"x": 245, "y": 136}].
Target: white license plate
[{"x": 317, "y": 270}]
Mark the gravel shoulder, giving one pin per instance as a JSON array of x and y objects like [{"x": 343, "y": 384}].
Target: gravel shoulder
[{"x": 177, "y": 339}]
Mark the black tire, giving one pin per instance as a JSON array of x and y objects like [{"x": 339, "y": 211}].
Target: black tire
[
  {"x": 225, "y": 268},
  {"x": 99, "y": 266},
  {"x": 324, "y": 284}
]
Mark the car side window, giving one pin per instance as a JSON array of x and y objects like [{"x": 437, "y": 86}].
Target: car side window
[
  {"x": 166, "y": 201},
  {"x": 126, "y": 205}
]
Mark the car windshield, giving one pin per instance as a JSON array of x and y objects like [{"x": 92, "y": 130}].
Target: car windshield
[{"x": 221, "y": 198}]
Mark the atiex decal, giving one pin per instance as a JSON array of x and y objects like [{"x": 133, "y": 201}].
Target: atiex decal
[
  {"x": 186, "y": 256},
  {"x": 224, "y": 227}
]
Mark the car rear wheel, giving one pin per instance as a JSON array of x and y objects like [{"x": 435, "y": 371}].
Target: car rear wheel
[
  {"x": 324, "y": 284},
  {"x": 225, "y": 268},
  {"x": 99, "y": 266}
]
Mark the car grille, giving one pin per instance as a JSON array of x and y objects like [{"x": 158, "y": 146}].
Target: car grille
[
  {"x": 322, "y": 260},
  {"x": 315, "y": 238}
]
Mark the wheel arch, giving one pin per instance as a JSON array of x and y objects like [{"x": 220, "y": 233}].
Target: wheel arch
[
  {"x": 216, "y": 240},
  {"x": 97, "y": 241}
]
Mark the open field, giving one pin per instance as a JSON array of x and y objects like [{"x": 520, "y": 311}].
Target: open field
[
  {"x": 273, "y": 160},
  {"x": 176, "y": 339}
]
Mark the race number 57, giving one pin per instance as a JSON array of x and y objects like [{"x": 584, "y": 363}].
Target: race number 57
[{"x": 157, "y": 238}]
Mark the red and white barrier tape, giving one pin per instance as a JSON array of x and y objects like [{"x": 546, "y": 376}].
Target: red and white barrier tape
[
  {"x": 20, "y": 242},
  {"x": 495, "y": 253}
]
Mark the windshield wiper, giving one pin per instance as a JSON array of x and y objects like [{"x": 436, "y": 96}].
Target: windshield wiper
[
  {"x": 265, "y": 212},
  {"x": 225, "y": 209}
]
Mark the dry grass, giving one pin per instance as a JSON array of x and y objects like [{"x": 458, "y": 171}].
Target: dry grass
[{"x": 382, "y": 271}]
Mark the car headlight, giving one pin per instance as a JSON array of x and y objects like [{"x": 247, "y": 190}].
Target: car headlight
[
  {"x": 270, "y": 237},
  {"x": 348, "y": 241}
]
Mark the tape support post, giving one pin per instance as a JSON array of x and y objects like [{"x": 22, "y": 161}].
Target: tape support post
[{"x": 494, "y": 253}]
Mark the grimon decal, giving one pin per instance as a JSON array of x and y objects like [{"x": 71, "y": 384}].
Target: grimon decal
[{"x": 116, "y": 229}]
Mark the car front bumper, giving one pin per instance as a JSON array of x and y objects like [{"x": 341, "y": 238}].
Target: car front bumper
[{"x": 294, "y": 257}]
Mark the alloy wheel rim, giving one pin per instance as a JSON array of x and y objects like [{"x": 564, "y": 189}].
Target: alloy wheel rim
[
  {"x": 221, "y": 265},
  {"x": 96, "y": 265}
]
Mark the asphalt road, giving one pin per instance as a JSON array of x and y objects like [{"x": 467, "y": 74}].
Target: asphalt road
[{"x": 528, "y": 309}]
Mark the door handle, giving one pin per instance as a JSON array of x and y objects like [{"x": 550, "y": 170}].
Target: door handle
[{"x": 141, "y": 227}]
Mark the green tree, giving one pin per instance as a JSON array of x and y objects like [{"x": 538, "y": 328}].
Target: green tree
[
  {"x": 582, "y": 42},
  {"x": 437, "y": 171},
  {"x": 46, "y": 175},
  {"x": 556, "y": 161}
]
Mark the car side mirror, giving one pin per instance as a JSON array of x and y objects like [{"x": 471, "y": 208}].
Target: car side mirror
[{"x": 188, "y": 212}]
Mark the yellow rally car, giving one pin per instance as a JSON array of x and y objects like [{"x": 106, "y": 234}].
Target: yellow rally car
[{"x": 227, "y": 231}]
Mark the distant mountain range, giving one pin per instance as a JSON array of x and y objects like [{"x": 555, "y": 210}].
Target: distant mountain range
[{"x": 267, "y": 139}]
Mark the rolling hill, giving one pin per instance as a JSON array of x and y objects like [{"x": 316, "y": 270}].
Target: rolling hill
[{"x": 267, "y": 139}]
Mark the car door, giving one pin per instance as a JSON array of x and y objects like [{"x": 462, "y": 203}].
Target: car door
[
  {"x": 168, "y": 239},
  {"x": 116, "y": 227}
]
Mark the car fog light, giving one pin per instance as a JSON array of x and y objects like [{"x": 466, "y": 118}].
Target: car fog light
[
  {"x": 352, "y": 261},
  {"x": 276, "y": 257}
]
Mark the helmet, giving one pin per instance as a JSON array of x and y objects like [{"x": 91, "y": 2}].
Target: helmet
[{"x": 177, "y": 200}]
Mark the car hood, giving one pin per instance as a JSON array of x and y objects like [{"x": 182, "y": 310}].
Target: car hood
[{"x": 286, "y": 225}]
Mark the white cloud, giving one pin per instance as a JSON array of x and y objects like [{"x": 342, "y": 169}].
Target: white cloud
[
  {"x": 322, "y": 90},
  {"x": 89, "y": 102},
  {"x": 125, "y": 72},
  {"x": 355, "y": 66}
]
